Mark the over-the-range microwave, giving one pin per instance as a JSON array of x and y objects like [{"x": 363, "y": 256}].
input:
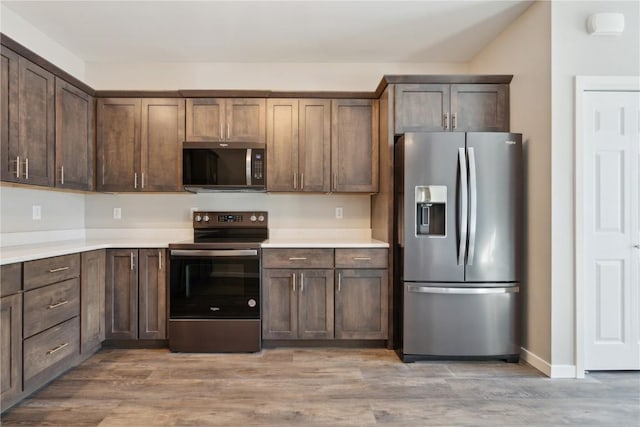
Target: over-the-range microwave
[{"x": 223, "y": 167}]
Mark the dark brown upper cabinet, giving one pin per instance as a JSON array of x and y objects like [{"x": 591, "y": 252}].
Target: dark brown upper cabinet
[
  {"x": 299, "y": 145},
  {"x": 354, "y": 145},
  {"x": 451, "y": 107},
  {"x": 27, "y": 121},
  {"x": 226, "y": 120},
  {"x": 139, "y": 144},
  {"x": 75, "y": 130}
]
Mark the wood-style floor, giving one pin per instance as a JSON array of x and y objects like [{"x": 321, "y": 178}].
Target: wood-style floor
[{"x": 321, "y": 387}]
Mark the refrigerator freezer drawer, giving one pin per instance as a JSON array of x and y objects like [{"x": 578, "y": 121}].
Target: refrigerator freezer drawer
[{"x": 443, "y": 321}]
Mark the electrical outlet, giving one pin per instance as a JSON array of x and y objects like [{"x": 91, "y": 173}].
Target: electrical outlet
[
  {"x": 117, "y": 213},
  {"x": 36, "y": 212},
  {"x": 339, "y": 213}
]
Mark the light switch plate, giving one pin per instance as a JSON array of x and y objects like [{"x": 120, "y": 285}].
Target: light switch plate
[
  {"x": 117, "y": 213},
  {"x": 339, "y": 213},
  {"x": 36, "y": 212}
]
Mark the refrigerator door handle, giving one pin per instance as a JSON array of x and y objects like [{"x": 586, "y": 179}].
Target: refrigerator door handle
[
  {"x": 462, "y": 291},
  {"x": 462, "y": 245},
  {"x": 473, "y": 202}
]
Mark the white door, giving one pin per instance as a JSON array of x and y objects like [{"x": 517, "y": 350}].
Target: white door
[{"x": 611, "y": 226}]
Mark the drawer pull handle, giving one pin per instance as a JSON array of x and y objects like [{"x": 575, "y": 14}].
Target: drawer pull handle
[
  {"x": 60, "y": 347},
  {"x": 297, "y": 258},
  {"x": 57, "y": 304},
  {"x": 362, "y": 258},
  {"x": 55, "y": 270}
]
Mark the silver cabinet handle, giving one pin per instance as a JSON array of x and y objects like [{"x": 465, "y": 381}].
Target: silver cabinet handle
[
  {"x": 135, "y": 180},
  {"x": 295, "y": 181},
  {"x": 445, "y": 120},
  {"x": 462, "y": 245},
  {"x": 221, "y": 134},
  {"x": 462, "y": 291},
  {"x": 26, "y": 168},
  {"x": 339, "y": 281},
  {"x": 361, "y": 258},
  {"x": 57, "y": 304},
  {"x": 62, "y": 174},
  {"x": 55, "y": 270},
  {"x": 18, "y": 167},
  {"x": 454, "y": 116},
  {"x": 293, "y": 282},
  {"x": 60, "y": 347},
  {"x": 160, "y": 259},
  {"x": 335, "y": 181},
  {"x": 297, "y": 258},
  {"x": 301, "y": 282},
  {"x": 131, "y": 260},
  {"x": 473, "y": 202},
  {"x": 228, "y": 131},
  {"x": 302, "y": 181},
  {"x": 247, "y": 165},
  {"x": 142, "y": 179}
]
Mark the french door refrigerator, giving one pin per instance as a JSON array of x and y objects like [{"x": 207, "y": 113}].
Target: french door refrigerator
[{"x": 458, "y": 235}]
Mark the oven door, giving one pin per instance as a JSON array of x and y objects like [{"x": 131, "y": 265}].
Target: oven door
[{"x": 214, "y": 284}]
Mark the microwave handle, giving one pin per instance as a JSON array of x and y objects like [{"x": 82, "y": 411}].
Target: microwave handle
[{"x": 248, "y": 166}]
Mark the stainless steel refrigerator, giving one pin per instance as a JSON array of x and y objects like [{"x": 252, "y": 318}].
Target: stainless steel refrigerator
[{"x": 458, "y": 244}]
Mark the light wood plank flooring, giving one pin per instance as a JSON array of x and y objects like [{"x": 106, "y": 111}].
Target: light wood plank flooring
[{"x": 321, "y": 387}]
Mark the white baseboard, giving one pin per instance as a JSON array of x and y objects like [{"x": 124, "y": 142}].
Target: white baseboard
[{"x": 552, "y": 371}]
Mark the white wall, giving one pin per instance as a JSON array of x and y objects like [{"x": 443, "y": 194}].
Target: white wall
[
  {"x": 530, "y": 115},
  {"x": 574, "y": 52},
  {"x": 27, "y": 35},
  {"x": 266, "y": 76},
  {"x": 174, "y": 210}
]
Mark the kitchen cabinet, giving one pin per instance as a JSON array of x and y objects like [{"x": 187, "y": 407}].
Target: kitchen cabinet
[
  {"x": 299, "y": 145},
  {"x": 139, "y": 144},
  {"x": 354, "y": 145},
  {"x": 226, "y": 120},
  {"x": 74, "y": 130},
  {"x": 10, "y": 334},
  {"x": 136, "y": 294},
  {"x": 27, "y": 121},
  {"x": 92, "y": 301},
  {"x": 455, "y": 107},
  {"x": 297, "y": 301}
]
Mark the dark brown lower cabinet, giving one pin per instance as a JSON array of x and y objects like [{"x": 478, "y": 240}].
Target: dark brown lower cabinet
[
  {"x": 92, "y": 301},
  {"x": 136, "y": 294},
  {"x": 10, "y": 349},
  {"x": 361, "y": 304},
  {"x": 297, "y": 304}
]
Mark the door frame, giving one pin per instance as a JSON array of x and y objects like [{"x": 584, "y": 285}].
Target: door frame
[{"x": 586, "y": 84}]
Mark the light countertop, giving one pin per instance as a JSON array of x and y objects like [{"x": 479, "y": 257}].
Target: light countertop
[{"x": 322, "y": 242}]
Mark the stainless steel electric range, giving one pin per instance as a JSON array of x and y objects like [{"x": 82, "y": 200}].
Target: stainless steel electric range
[{"x": 214, "y": 281}]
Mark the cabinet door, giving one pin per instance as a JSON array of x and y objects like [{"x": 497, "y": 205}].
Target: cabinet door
[
  {"x": 122, "y": 294},
  {"x": 205, "y": 120},
  {"x": 246, "y": 120},
  {"x": 163, "y": 131},
  {"x": 10, "y": 349},
  {"x": 282, "y": 145},
  {"x": 9, "y": 117},
  {"x": 36, "y": 123},
  {"x": 118, "y": 144},
  {"x": 153, "y": 301},
  {"x": 315, "y": 304},
  {"x": 279, "y": 305},
  {"x": 75, "y": 127},
  {"x": 480, "y": 107},
  {"x": 92, "y": 301},
  {"x": 354, "y": 145},
  {"x": 421, "y": 108},
  {"x": 361, "y": 304},
  {"x": 315, "y": 145}
]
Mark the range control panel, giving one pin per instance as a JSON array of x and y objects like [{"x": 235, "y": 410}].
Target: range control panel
[{"x": 207, "y": 219}]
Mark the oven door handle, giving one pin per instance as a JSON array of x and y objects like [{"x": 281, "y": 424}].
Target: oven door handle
[{"x": 214, "y": 253}]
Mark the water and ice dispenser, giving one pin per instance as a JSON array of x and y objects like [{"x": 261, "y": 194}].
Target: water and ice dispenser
[{"x": 431, "y": 210}]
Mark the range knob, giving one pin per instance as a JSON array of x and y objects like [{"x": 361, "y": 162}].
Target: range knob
[
  {"x": 205, "y": 218},
  {"x": 198, "y": 218},
  {"x": 261, "y": 218},
  {"x": 253, "y": 218}
]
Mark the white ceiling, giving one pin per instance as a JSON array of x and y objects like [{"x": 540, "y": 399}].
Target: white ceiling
[{"x": 271, "y": 31}]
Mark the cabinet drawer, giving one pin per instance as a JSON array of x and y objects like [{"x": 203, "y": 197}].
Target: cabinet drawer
[
  {"x": 45, "y": 353},
  {"x": 50, "y": 270},
  {"x": 361, "y": 258},
  {"x": 297, "y": 258},
  {"x": 50, "y": 305},
  {"x": 10, "y": 279}
]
